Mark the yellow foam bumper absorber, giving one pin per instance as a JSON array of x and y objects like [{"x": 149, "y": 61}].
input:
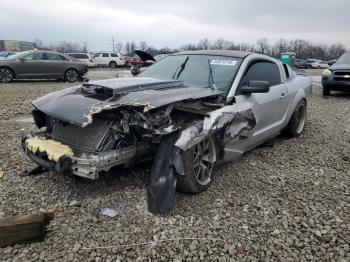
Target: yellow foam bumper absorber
[{"x": 53, "y": 149}]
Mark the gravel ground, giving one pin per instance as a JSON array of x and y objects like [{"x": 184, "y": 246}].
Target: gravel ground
[{"x": 286, "y": 203}]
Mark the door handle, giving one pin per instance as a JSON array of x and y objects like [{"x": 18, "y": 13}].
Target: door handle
[{"x": 284, "y": 95}]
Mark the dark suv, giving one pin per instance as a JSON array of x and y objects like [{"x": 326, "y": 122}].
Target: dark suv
[{"x": 337, "y": 77}]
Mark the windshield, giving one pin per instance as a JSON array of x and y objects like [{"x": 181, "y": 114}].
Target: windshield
[
  {"x": 344, "y": 59},
  {"x": 195, "y": 70}
]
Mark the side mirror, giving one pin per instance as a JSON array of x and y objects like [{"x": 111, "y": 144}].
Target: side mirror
[
  {"x": 21, "y": 59},
  {"x": 255, "y": 86}
]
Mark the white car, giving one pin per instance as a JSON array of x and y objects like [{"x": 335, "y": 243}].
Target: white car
[
  {"x": 84, "y": 57},
  {"x": 318, "y": 64},
  {"x": 113, "y": 60}
]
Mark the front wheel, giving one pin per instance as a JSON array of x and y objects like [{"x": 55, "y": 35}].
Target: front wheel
[
  {"x": 326, "y": 91},
  {"x": 71, "y": 75},
  {"x": 199, "y": 163},
  {"x": 6, "y": 75},
  {"x": 297, "y": 123}
]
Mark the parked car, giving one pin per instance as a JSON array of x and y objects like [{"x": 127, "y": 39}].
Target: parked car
[
  {"x": 134, "y": 61},
  {"x": 147, "y": 60},
  {"x": 300, "y": 64},
  {"x": 309, "y": 63},
  {"x": 41, "y": 65},
  {"x": 337, "y": 77},
  {"x": 6, "y": 54},
  {"x": 330, "y": 63},
  {"x": 84, "y": 57},
  {"x": 113, "y": 60},
  {"x": 188, "y": 112},
  {"x": 316, "y": 64},
  {"x": 322, "y": 65}
]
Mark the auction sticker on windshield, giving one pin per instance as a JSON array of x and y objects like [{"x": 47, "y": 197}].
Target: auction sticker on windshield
[{"x": 228, "y": 62}]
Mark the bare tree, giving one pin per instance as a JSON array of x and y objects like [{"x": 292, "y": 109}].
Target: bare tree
[
  {"x": 280, "y": 47},
  {"x": 85, "y": 47},
  {"x": 132, "y": 48},
  {"x": 204, "y": 44},
  {"x": 143, "y": 45},
  {"x": 118, "y": 46},
  {"x": 127, "y": 48},
  {"x": 263, "y": 45},
  {"x": 335, "y": 51},
  {"x": 218, "y": 44}
]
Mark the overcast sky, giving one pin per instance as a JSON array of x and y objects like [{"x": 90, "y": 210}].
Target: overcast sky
[{"x": 173, "y": 23}]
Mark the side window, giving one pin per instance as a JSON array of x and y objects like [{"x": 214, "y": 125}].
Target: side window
[
  {"x": 33, "y": 56},
  {"x": 97, "y": 55},
  {"x": 63, "y": 57},
  {"x": 114, "y": 55},
  {"x": 286, "y": 72},
  {"x": 105, "y": 55},
  {"x": 262, "y": 71},
  {"x": 53, "y": 57}
]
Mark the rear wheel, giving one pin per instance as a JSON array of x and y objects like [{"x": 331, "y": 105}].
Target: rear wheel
[
  {"x": 326, "y": 91},
  {"x": 112, "y": 65},
  {"x": 297, "y": 123},
  {"x": 6, "y": 75},
  {"x": 199, "y": 163},
  {"x": 71, "y": 75}
]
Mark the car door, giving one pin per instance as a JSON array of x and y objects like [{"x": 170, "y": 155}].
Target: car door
[
  {"x": 98, "y": 58},
  {"x": 30, "y": 65},
  {"x": 270, "y": 107},
  {"x": 55, "y": 65}
]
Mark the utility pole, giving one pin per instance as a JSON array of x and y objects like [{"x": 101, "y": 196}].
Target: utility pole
[{"x": 113, "y": 43}]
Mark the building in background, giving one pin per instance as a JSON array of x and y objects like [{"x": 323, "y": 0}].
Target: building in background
[{"x": 16, "y": 46}]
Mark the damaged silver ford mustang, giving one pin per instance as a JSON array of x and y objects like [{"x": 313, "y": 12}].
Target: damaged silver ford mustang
[{"x": 187, "y": 112}]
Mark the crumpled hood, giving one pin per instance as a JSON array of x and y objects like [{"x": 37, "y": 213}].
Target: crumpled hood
[
  {"x": 78, "y": 104},
  {"x": 340, "y": 67}
]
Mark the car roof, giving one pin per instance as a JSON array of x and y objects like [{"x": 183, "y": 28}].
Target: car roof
[{"x": 231, "y": 53}]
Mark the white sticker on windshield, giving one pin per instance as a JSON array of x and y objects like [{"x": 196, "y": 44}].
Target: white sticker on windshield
[{"x": 228, "y": 62}]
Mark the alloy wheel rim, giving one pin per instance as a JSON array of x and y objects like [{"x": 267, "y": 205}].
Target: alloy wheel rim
[
  {"x": 301, "y": 118},
  {"x": 5, "y": 75},
  {"x": 71, "y": 75},
  {"x": 203, "y": 161}
]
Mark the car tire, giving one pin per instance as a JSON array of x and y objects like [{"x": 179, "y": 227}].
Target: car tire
[
  {"x": 326, "y": 91},
  {"x": 199, "y": 163},
  {"x": 113, "y": 65},
  {"x": 297, "y": 122},
  {"x": 6, "y": 75},
  {"x": 71, "y": 75}
]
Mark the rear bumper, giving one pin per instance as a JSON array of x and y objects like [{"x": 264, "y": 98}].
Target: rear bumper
[{"x": 88, "y": 166}]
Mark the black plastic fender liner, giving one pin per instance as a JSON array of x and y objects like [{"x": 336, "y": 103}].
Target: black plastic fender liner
[{"x": 162, "y": 182}]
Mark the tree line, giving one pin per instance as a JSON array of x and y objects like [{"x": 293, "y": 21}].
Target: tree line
[{"x": 303, "y": 49}]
